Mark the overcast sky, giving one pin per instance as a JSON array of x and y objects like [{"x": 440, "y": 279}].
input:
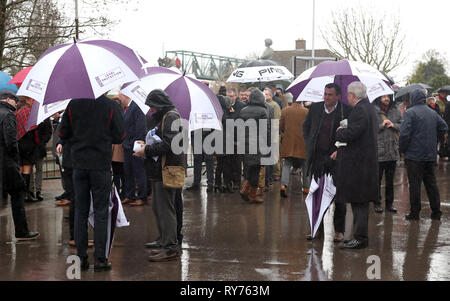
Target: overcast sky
[{"x": 239, "y": 27}]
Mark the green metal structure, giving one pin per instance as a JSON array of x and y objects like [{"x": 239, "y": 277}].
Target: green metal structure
[{"x": 203, "y": 66}]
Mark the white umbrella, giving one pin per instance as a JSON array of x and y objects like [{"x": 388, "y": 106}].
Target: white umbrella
[
  {"x": 310, "y": 85},
  {"x": 83, "y": 69},
  {"x": 193, "y": 99},
  {"x": 260, "y": 74}
]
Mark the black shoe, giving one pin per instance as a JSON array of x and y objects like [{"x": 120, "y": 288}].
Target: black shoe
[
  {"x": 390, "y": 208},
  {"x": 84, "y": 265},
  {"x": 195, "y": 187},
  {"x": 29, "y": 198},
  {"x": 236, "y": 185},
  {"x": 165, "y": 255},
  {"x": 61, "y": 197},
  {"x": 230, "y": 188},
  {"x": 319, "y": 236},
  {"x": 210, "y": 189},
  {"x": 436, "y": 216},
  {"x": 217, "y": 188},
  {"x": 412, "y": 217},
  {"x": 378, "y": 209},
  {"x": 153, "y": 245},
  {"x": 39, "y": 196},
  {"x": 102, "y": 266},
  {"x": 29, "y": 236},
  {"x": 354, "y": 245}
]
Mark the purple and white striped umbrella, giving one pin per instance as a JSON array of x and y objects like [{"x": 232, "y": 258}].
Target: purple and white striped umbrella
[
  {"x": 83, "y": 69},
  {"x": 196, "y": 102},
  {"x": 321, "y": 195},
  {"x": 310, "y": 85}
]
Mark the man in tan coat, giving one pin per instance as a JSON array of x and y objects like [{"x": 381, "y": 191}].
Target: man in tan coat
[{"x": 293, "y": 149}]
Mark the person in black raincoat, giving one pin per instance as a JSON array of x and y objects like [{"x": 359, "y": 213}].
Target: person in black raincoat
[
  {"x": 166, "y": 246},
  {"x": 420, "y": 132},
  {"x": 224, "y": 166},
  {"x": 11, "y": 180},
  {"x": 357, "y": 168},
  {"x": 319, "y": 131},
  {"x": 256, "y": 110}
]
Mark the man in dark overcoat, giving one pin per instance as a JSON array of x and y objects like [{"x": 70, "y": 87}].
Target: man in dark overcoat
[
  {"x": 319, "y": 130},
  {"x": 357, "y": 180}
]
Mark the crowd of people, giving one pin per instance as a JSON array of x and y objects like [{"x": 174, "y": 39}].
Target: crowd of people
[{"x": 95, "y": 142}]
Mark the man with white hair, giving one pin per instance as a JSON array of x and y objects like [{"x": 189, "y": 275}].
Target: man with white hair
[{"x": 357, "y": 180}]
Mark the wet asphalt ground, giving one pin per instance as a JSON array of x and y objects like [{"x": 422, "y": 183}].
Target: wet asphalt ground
[{"x": 227, "y": 239}]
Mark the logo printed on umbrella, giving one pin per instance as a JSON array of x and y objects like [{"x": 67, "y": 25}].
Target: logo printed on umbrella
[
  {"x": 271, "y": 70},
  {"x": 314, "y": 93},
  {"x": 36, "y": 86},
  {"x": 376, "y": 88},
  {"x": 203, "y": 117},
  {"x": 238, "y": 74},
  {"x": 110, "y": 77},
  {"x": 140, "y": 93}
]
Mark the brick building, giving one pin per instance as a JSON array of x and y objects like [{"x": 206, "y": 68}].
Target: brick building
[{"x": 303, "y": 55}]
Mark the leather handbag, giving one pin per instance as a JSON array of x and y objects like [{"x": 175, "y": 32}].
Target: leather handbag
[{"x": 173, "y": 177}]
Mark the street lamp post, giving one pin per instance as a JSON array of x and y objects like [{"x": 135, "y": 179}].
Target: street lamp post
[
  {"x": 314, "y": 34},
  {"x": 77, "y": 24}
]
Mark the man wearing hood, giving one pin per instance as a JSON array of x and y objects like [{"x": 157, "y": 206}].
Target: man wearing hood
[
  {"x": 419, "y": 135},
  {"x": 389, "y": 121},
  {"x": 256, "y": 110},
  {"x": 162, "y": 108}
]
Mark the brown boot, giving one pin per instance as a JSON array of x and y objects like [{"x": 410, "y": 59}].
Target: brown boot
[
  {"x": 260, "y": 191},
  {"x": 245, "y": 191},
  {"x": 254, "y": 198}
]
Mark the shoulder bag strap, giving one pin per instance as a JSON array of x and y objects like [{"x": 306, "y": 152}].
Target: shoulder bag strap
[{"x": 163, "y": 163}]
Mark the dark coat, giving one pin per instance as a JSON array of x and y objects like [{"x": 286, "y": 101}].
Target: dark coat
[
  {"x": 421, "y": 130},
  {"x": 311, "y": 129},
  {"x": 44, "y": 131},
  {"x": 94, "y": 125},
  {"x": 357, "y": 166},
  {"x": 67, "y": 150},
  {"x": 160, "y": 100},
  {"x": 134, "y": 121},
  {"x": 388, "y": 143},
  {"x": 10, "y": 177},
  {"x": 226, "y": 117},
  {"x": 256, "y": 110}
]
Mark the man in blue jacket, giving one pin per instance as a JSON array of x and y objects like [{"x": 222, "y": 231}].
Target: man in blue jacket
[
  {"x": 420, "y": 132},
  {"x": 134, "y": 169}
]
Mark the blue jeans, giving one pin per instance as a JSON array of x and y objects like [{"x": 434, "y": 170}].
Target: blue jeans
[{"x": 99, "y": 183}]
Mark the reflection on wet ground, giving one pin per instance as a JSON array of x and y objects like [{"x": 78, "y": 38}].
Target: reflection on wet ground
[{"x": 228, "y": 239}]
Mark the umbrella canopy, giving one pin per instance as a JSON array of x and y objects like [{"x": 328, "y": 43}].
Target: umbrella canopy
[
  {"x": 20, "y": 77},
  {"x": 320, "y": 197},
  {"x": 83, "y": 69},
  {"x": 193, "y": 99},
  {"x": 39, "y": 112},
  {"x": 4, "y": 83},
  {"x": 310, "y": 85},
  {"x": 444, "y": 88},
  {"x": 412, "y": 87},
  {"x": 260, "y": 74},
  {"x": 259, "y": 63}
]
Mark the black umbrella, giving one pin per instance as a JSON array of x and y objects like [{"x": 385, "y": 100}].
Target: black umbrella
[
  {"x": 413, "y": 87},
  {"x": 444, "y": 88},
  {"x": 259, "y": 63},
  {"x": 390, "y": 79}
]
